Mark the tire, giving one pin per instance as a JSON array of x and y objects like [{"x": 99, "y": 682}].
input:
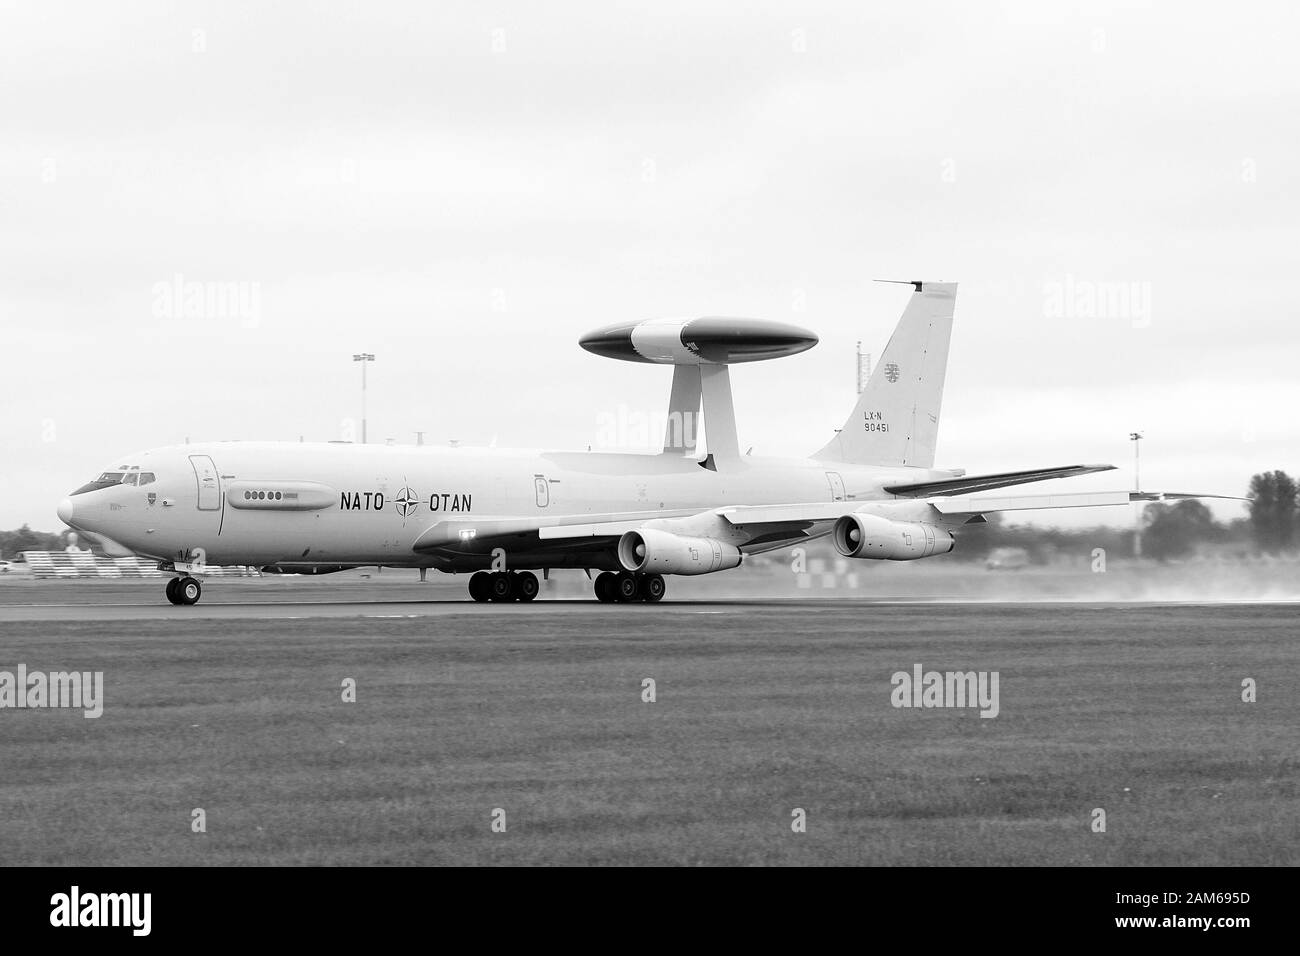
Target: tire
[
  {"x": 171, "y": 590},
  {"x": 500, "y": 587},
  {"x": 605, "y": 587},
  {"x": 526, "y": 586},
  {"x": 626, "y": 587},
  {"x": 479, "y": 588},
  {"x": 189, "y": 591},
  {"x": 653, "y": 588}
]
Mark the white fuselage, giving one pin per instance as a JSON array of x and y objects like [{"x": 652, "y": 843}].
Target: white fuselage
[{"x": 345, "y": 504}]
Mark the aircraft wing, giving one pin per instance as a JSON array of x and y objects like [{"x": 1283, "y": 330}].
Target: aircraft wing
[
  {"x": 763, "y": 526},
  {"x": 747, "y": 515},
  {"x": 460, "y": 533},
  {"x": 1084, "y": 499},
  {"x": 969, "y": 483}
]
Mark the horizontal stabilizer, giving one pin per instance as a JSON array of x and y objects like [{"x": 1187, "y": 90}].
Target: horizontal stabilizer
[{"x": 972, "y": 483}]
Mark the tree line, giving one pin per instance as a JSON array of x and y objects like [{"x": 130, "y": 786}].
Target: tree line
[
  {"x": 1169, "y": 530},
  {"x": 14, "y": 543}
]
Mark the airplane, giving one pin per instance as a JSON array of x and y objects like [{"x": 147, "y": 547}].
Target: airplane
[{"x": 500, "y": 515}]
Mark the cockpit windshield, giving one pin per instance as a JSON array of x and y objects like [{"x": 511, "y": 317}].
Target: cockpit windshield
[{"x": 130, "y": 475}]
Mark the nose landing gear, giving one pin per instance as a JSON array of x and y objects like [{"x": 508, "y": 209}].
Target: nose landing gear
[
  {"x": 184, "y": 590},
  {"x": 627, "y": 586}
]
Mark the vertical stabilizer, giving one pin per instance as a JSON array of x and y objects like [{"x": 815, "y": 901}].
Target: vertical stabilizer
[{"x": 896, "y": 420}]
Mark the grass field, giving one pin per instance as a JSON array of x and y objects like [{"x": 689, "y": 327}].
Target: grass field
[{"x": 1134, "y": 709}]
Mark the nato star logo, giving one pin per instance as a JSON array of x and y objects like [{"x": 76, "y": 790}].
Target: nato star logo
[{"x": 407, "y": 502}]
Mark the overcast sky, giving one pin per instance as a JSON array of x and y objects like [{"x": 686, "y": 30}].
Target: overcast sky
[{"x": 465, "y": 188}]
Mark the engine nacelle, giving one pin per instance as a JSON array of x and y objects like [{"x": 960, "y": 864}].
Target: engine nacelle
[
  {"x": 662, "y": 552},
  {"x": 874, "y": 537}
]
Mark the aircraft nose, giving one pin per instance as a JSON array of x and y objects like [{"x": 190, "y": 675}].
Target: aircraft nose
[{"x": 65, "y": 511}]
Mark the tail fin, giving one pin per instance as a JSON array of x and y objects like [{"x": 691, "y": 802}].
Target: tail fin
[{"x": 896, "y": 420}]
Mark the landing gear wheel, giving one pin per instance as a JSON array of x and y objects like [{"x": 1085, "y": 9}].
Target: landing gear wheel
[
  {"x": 188, "y": 591},
  {"x": 171, "y": 590},
  {"x": 653, "y": 588},
  {"x": 605, "y": 587},
  {"x": 525, "y": 586},
  {"x": 479, "y": 586},
  {"x": 500, "y": 587},
  {"x": 625, "y": 587}
]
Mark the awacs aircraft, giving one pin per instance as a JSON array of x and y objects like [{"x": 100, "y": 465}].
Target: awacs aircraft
[{"x": 633, "y": 518}]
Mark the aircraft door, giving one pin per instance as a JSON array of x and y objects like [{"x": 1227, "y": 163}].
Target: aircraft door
[
  {"x": 205, "y": 472},
  {"x": 837, "y": 485}
]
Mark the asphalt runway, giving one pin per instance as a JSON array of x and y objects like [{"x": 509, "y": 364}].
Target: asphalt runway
[
  {"x": 296, "y": 611},
  {"x": 399, "y": 594},
  {"x": 296, "y": 599},
  {"x": 761, "y": 709}
]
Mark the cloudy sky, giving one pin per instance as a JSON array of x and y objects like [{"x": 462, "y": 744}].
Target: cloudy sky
[{"x": 465, "y": 188}]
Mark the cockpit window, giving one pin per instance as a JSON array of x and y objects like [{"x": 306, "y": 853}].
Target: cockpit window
[
  {"x": 106, "y": 480},
  {"x": 125, "y": 475}
]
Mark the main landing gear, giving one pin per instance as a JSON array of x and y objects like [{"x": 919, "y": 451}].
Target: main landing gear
[
  {"x": 184, "y": 590},
  {"x": 627, "y": 586},
  {"x": 503, "y": 586}
]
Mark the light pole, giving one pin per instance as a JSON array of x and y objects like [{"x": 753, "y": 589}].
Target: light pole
[
  {"x": 363, "y": 358},
  {"x": 1136, "y": 439}
]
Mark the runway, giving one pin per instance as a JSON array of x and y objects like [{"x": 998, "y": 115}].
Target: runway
[
  {"x": 281, "y": 599},
  {"x": 383, "y": 610},
  {"x": 402, "y": 596}
]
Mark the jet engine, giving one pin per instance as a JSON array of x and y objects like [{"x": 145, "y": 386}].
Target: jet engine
[
  {"x": 662, "y": 552},
  {"x": 874, "y": 537}
]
